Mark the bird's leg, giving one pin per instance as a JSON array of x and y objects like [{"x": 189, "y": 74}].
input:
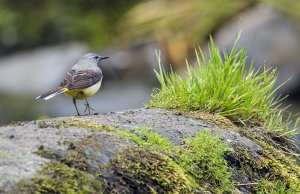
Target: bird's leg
[
  {"x": 87, "y": 107},
  {"x": 74, "y": 102}
]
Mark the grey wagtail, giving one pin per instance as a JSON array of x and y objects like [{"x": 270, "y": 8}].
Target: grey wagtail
[{"x": 81, "y": 81}]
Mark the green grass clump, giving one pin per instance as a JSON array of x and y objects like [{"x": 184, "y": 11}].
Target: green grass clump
[{"x": 222, "y": 84}]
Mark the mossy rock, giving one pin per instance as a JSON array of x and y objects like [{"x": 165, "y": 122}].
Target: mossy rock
[
  {"x": 159, "y": 151},
  {"x": 59, "y": 178},
  {"x": 139, "y": 170}
]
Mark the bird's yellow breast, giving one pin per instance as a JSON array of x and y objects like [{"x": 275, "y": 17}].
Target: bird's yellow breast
[{"x": 84, "y": 93}]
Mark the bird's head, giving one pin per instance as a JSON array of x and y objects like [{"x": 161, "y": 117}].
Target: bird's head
[{"x": 92, "y": 58}]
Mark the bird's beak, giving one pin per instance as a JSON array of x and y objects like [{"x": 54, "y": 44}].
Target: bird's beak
[{"x": 104, "y": 58}]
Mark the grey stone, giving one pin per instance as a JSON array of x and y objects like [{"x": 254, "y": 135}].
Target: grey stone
[{"x": 20, "y": 142}]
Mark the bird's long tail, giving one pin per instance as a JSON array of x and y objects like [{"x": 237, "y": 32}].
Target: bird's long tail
[{"x": 52, "y": 93}]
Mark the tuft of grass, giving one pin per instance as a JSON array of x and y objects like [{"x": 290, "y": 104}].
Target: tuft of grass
[{"x": 222, "y": 83}]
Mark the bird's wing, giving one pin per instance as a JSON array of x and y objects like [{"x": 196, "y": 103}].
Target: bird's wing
[{"x": 80, "y": 79}]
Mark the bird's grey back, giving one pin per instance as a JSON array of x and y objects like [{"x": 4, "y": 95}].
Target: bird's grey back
[
  {"x": 84, "y": 73},
  {"x": 86, "y": 65}
]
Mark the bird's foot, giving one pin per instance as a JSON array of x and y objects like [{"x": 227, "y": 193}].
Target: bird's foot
[{"x": 88, "y": 108}]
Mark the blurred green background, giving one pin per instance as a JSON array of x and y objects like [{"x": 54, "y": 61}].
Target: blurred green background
[{"x": 40, "y": 40}]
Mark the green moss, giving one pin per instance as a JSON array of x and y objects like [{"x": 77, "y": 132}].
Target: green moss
[
  {"x": 75, "y": 156},
  {"x": 146, "y": 138},
  {"x": 45, "y": 153},
  {"x": 45, "y": 124},
  {"x": 198, "y": 163},
  {"x": 273, "y": 187},
  {"x": 274, "y": 170},
  {"x": 59, "y": 178},
  {"x": 282, "y": 168},
  {"x": 76, "y": 159},
  {"x": 74, "y": 122},
  {"x": 213, "y": 119},
  {"x": 202, "y": 158},
  {"x": 269, "y": 139},
  {"x": 147, "y": 171},
  {"x": 69, "y": 143}
]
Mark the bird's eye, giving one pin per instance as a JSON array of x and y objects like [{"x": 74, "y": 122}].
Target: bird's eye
[{"x": 95, "y": 57}]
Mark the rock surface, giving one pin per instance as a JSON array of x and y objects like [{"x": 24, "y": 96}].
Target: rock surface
[{"x": 22, "y": 145}]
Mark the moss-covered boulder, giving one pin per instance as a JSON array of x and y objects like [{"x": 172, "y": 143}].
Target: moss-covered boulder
[{"x": 143, "y": 151}]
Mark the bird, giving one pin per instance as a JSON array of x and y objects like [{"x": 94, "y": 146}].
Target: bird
[{"x": 81, "y": 81}]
